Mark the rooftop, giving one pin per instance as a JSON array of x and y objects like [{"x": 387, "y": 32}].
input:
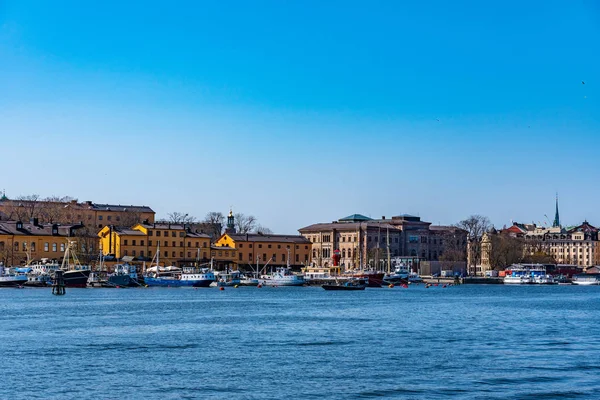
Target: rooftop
[{"x": 257, "y": 237}]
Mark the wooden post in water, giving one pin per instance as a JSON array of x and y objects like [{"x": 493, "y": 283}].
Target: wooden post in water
[{"x": 58, "y": 287}]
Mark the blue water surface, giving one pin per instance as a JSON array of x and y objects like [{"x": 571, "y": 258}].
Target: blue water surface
[{"x": 467, "y": 342}]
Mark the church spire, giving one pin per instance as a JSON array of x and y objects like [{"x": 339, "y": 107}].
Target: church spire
[
  {"x": 230, "y": 222},
  {"x": 556, "y": 222}
]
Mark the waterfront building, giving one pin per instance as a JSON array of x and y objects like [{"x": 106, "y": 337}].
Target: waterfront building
[
  {"x": 363, "y": 241},
  {"x": 22, "y": 242},
  {"x": 178, "y": 243},
  {"x": 257, "y": 248},
  {"x": 73, "y": 212}
]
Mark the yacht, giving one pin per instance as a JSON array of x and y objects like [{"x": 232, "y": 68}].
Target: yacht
[
  {"x": 283, "y": 276},
  {"x": 586, "y": 279},
  {"x": 400, "y": 274},
  {"x": 41, "y": 273}
]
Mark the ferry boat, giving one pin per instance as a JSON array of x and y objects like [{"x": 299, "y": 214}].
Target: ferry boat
[
  {"x": 9, "y": 277},
  {"x": 528, "y": 274},
  {"x": 586, "y": 279},
  {"x": 283, "y": 276}
]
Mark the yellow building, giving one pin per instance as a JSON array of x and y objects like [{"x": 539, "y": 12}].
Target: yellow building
[
  {"x": 22, "y": 242},
  {"x": 178, "y": 244},
  {"x": 277, "y": 250}
]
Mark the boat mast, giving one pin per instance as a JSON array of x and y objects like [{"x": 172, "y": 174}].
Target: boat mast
[{"x": 388, "y": 251}]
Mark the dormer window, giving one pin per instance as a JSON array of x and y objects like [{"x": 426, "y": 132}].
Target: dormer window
[{"x": 19, "y": 225}]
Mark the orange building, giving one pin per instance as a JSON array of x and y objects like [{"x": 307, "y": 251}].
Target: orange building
[{"x": 277, "y": 250}]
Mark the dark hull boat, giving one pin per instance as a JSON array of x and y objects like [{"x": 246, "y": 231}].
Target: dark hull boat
[
  {"x": 375, "y": 279},
  {"x": 354, "y": 284},
  {"x": 76, "y": 278}
]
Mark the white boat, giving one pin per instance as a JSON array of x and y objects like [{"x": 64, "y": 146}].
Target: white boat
[
  {"x": 401, "y": 274},
  {"x": 248, "y": 281},
  {"x": 528, "y": 274},
  {"x": 231, "y": 278},
  {"x": 586, "y": 279},
  {"x": 172, "y": 276},
  {"x": 282, "y": 276},
  {"x": 9, "y": 277}
]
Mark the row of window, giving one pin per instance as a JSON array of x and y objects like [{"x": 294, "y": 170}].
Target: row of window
[
  {"x": 241, "y": 246},
  {"x": 165, "y": 233},
  {"x": 164, "y": 243}
]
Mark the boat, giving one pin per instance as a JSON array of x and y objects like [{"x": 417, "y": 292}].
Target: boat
[
  {"x": 9, "y": 277},
  {"x": 246, "y": 280},
  {"x": 98, "y": 279},
  {"x": 283, "y": 276},
  {"x": 124, "y": 275},
  {"x": 528, "y": 274},
  {"x": 42, "y": 273},
  {"x": 400, "y": 275},
  {"x": 228, "y": 279},
  {"x": 375, "y": 278},
  {"x": 172, "y": 276},
  {"x": 586, "y": 279},
  {"x": 352, "y": 284},
  {"x": 75, "y": 275},
  {"x": 413, "y": 277}
]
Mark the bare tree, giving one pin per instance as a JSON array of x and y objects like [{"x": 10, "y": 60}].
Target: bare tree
[
  {"x": 244, "y": 223},
  {"x": 476, "y": 226},
  {"x": 181, "y": 218},
  {"x": 505, "y": 250},
  {"x": 263, "y": 230},
  {"x": 130, "y": 219},
  {"x": 214, "y": 222}
]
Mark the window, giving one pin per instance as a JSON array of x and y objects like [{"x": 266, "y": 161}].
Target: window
[
  {"x": 269, "y": 246},
  {"x": 204, "y": 245},
  {"x": 46, "y": 248},
  {"x": 99, "y": 225},
  {"x": 240, "y": 256},
  {"x": 264, "y": 257},
  {"x": 89, "y": 217},
  {"x": 283, "y": 258},
  {"x": 24, "y": 246},
  {"x": 241, "y": 245},
  {"x": 297, "y": 257},
  {"x": 180, "y": 244},
  {"x": 274, "y": 258},
  {"x": 53, "y": 246},
  {"x": 141, "y": 242},
  {"x": 250, "y": 245},
  {"x": 157, "y": 233},
  {"x": 100, "y": 217},
  {"x": 250, "y": 257},
  {"x": 278, "y": 246},
  {"x": 181, "y": 234},
  {"x": 125, "y": 242},
  {"x": 16, "y": 246},
  {"x": 150, "y": 233},
  {"x": 141, "y": 253},
  {"x": 149, "y": 242},
  {"x": 226, "y": 254},
  {"x": 305, "y": 247},
  {"x": 133, "y": 253},
  {"x": 181, "y": 254},
  {"x": 172, "y": 244},
  {"x": 166, "y": 233},
  {"x": 133, "y": 242},
  {"x": 260, "y": 246},
  {"x": 173, "y": 253},
  {"x": 173, "y": 234},
  {"x": 297, "y": 247},
  {"x": 220, "y": 253},
  {"x": 118, "y": 218},
  {"x": 32, "y": 246},
  {"x": 189, "y": 254},
  {"x": 197, "y": 245},
  {"x": 125, "y": 252},
  {"x": 109, "y": 218},
  {"x": 62, "y": 247},
  {"x": 166, "y": 254}
]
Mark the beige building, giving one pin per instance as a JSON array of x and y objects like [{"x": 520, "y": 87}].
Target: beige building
[{"x": 362, "y": 241}]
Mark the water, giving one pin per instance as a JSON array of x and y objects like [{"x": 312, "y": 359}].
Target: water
[{"x": 470, "y": 341}]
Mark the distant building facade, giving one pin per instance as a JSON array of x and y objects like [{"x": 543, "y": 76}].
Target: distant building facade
[
  {"x": 73, "y": 212},
  {"x": 363, "y": 241},
  {"x": 22, "y": 242}
]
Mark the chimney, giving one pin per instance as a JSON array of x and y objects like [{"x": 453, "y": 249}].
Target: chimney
[
  {"x": 34, "y": 221},
  {"x": 88, "y": 202},
  {"x": 383, "y": 217}
]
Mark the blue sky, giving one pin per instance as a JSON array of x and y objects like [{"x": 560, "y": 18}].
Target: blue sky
[{"x": 305, "y": 111}]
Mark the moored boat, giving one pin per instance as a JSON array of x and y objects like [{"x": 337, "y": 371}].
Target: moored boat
[
  {"x": 124, "y": 275},
  {"x": 231, "y": 278},
  {"x": 352, "y": 284},
  {"x": 9, "y": 277},
  {"x": 283, "y": 276},
  {"x": 586, "y": 279},
  {"x": 75, "y": 275}
]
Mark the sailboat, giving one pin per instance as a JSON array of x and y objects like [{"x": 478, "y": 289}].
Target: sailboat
[
  {"x": 74, "y": 274},
  {"x": 172, "y": 276}
]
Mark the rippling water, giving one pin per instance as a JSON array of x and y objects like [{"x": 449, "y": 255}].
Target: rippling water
[{"x": 470, "y": 341}]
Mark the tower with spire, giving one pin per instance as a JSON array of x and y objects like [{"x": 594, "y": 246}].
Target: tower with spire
[
  {"x": 230, "y": 222},
  {"x": 556, "y": 222}
]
